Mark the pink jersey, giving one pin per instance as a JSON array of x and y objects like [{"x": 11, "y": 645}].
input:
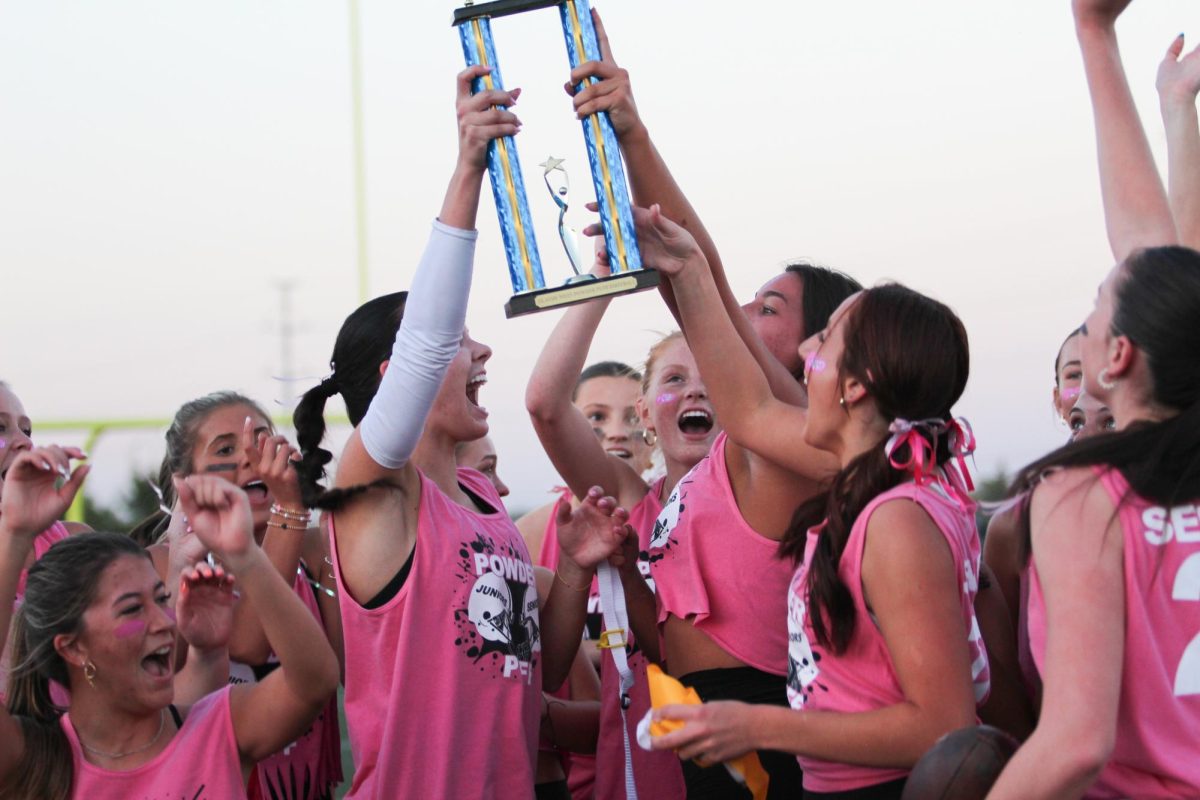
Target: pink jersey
[
  {"x": 657, "y": 773},
  {"x": 200, "y": 763},
  {"x": 1158, "y": 717},
  {"x": 310, "y": 767},
  {"x": 711, "y": 567},
  {"x": 443, "y": 681},
  {"x": 863, "y": 677}
]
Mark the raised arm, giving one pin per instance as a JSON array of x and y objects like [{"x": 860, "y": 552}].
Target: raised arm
[
  {"x": 31, "y": 503},
  {"x": 272, "y": 458},
  {"x": 380, "y": 447},
  {"x": 1178, "y": 83},
  {"x": 752, "y": 415},
  {"x": 1077, "y": 551},
  {"x": 652, "y": 182},
  {"x": 1136, "y": 211},
  {"x": 272, "y": 713},
  {"x": 565, "y": 434}
]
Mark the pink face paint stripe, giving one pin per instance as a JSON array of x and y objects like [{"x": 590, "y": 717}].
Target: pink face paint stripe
[
  {"x": 127, "y": 629},
  {"x": 664, "y": 398}
]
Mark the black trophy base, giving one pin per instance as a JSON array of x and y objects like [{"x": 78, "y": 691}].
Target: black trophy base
[{"x": 580, "y": 291}]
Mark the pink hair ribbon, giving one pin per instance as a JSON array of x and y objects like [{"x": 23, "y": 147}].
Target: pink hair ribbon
[
  {"x": 961, "y": 439},
  {"x": 922, "y": 451},
  {"x": 922, "y": 454}
]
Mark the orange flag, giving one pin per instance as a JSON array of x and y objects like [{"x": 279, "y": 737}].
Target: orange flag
[{"x": 666, "y": 691}]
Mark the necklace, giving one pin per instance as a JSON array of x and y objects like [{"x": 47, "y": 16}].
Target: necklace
[{"x": 162, "y": 725}]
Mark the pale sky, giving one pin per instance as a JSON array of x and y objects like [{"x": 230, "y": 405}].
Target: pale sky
[{"x": 164, "y": 165}]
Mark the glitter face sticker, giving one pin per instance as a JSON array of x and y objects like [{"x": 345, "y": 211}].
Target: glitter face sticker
[
  {"x": 1071, "y": 393},
  {"x": 814, "y": 363},
  {"x": 665, "y": 398}
]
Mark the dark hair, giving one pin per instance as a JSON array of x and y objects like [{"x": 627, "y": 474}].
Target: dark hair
[
  {"x": 824, "y": 291},
  {"x": 181, "y": 439},
  {"x": 363, "y": 343},
  {"x": 1156, "y": 301},
  {"x": 911, "y": 354},
  {"x": 605, "y": 369},
  {"x": 60, "y": 587},
  {"x": 1061, "y": 347}
]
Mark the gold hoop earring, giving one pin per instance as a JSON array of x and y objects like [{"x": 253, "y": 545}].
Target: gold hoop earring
[
  {"x": 1106, "y": 383},
  {"x": 650, "y": 437},
  {"x": 89, "y": 673}
]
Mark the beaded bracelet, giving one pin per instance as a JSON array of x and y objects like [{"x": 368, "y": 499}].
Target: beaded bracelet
[
  {"x": 286, "y": 527},
  {"x": 287, "y": 513}
]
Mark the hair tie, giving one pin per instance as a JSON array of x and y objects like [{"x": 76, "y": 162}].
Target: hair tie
[
  {"x": 922, "y": 453},
  {"x": 329, "y": 385}
]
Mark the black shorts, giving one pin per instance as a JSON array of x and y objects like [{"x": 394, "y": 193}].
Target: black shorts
[{"x": 748, "y": 685}]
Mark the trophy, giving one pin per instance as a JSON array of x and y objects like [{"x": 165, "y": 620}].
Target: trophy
[{"x": 508, "y": 186}]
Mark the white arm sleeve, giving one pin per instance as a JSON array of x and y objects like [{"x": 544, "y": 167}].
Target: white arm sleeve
[{"x": 426, "y": 343}]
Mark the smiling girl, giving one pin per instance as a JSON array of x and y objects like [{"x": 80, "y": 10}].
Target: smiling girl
[
  {"x": 95, "y": 619},
  {"x": 228, "y": 436}
]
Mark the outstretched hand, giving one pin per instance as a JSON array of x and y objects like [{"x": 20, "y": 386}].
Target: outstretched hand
[
  {"x": 204, "y": 611},
  {"x": 479, "y": 118},
  {"x": 1178, "y": 78},
  {"x": 219, "y": 514},
  {"x": 593, "y": 532},
  {"x": 612, "y": 92},
  {"x": 33, "y": 500}
]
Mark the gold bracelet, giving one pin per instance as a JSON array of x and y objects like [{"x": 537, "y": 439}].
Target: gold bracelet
[
  {"x": 286, "y": 527},
  {"x": 290, "y": 513},
  {"x": 587, "y": 588}
]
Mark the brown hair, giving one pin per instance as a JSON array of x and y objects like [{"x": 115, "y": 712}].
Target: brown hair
[
  {"x": 910, "y": 352},
  {"x": 60, "y": 587}
]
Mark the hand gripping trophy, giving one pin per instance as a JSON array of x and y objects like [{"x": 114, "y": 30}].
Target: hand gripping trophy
[{"x": 508, "y": 187}]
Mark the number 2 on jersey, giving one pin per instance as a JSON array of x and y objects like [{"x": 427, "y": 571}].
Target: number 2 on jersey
[{"x": 1187, "y": 587}]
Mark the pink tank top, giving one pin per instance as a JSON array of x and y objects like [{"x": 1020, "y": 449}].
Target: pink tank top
[
  {"x": 202, "y": 761},
  {"x": 863, "y": 677},
  {"x": 711, "y": 567},
  {"x": 657, "y": 773},
  {"x": 1158, "y": 718},
  {"x": 443, "y": 682},
  {"x": 310, "y": 767}
]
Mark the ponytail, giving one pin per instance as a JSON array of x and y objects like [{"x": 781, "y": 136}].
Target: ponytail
[
  {"x": 910, "y": 353},
  {"x": 47, "y": 769},
  {"x": 870, "y": 474},
  {"x": 309, "y": 421},
  {"x": 363, "y": 344}
]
